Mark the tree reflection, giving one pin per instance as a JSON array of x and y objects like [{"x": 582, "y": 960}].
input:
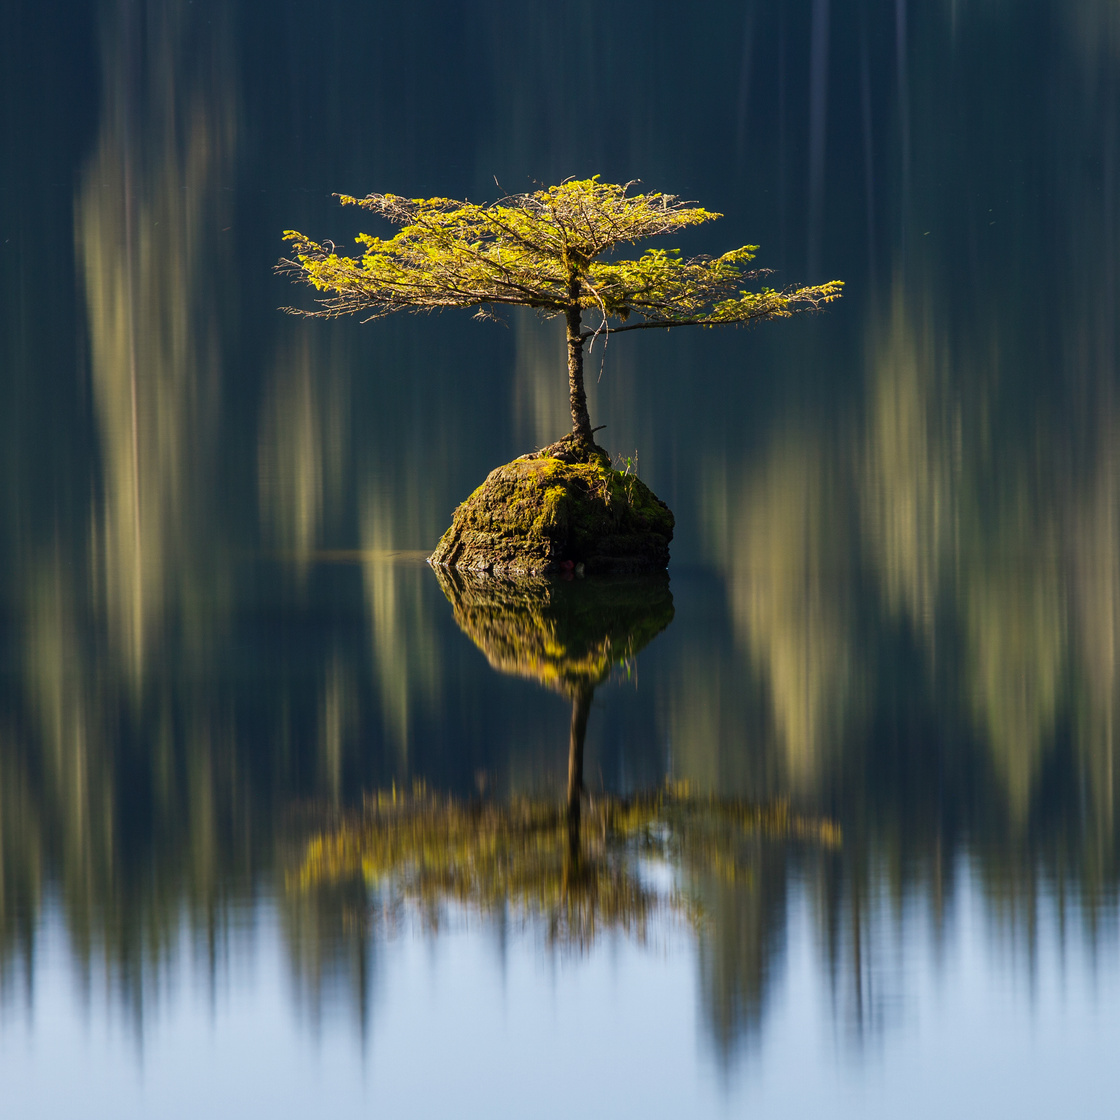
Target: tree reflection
[
  {"x": 578, "y": 870},
  {"x": 523, "y": 858}
]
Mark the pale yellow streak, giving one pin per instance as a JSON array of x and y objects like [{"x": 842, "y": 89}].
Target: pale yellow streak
[
  {"x": 1016, "y": 631},
  {"x": 779, "y": 537},
  {"x": 290, "y": 457},
  {"x": 404, "y": 647},
  {"x": 147, "y": 219},
  {"x": 62, "y": 697},
  {"x": 302, "y": 447},
  {"x": 1095, "y": 606},
  {"x": 909, "y": 464},
  {"x": 540, "y": 387}
]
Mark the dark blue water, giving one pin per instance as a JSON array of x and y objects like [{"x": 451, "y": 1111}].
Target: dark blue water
[{"x": 895, "y": 579}]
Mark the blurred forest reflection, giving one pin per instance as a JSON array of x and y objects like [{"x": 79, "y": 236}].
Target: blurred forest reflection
[{"x": 897, "y": 564}]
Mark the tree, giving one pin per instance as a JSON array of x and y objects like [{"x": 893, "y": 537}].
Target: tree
[{"x": 544, "y": 250}]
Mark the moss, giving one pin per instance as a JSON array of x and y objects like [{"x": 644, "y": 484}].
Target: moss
[{"x": 541, "y": 514}]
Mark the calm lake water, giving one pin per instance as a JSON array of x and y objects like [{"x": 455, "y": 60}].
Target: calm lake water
[{"x": 890, "y": 635}]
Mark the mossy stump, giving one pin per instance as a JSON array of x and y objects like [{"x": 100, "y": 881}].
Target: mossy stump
[{"x": 561, "y": 508}]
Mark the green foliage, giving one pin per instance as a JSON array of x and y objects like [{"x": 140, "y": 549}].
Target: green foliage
[{"x": 542, "y": 250}]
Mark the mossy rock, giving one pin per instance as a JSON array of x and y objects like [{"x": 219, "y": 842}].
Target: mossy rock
[{"x": 543, "y": 514}]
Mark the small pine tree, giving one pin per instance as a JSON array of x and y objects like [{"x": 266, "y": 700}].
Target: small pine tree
[{"x": 544, "y": 250}]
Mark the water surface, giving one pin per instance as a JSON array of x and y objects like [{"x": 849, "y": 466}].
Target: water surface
[{"x": 895, "y": 583}]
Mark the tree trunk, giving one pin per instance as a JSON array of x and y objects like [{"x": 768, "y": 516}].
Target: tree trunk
[{"x": 577, "y": 398}]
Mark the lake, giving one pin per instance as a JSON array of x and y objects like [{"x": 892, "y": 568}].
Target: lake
[{"x": 281, "y": 810}]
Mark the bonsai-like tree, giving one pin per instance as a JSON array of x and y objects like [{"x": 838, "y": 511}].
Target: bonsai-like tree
[{"x": 544, "y": 250}]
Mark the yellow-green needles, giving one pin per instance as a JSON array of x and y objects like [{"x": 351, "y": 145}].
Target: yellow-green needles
[{"x": 543, "y": 250}]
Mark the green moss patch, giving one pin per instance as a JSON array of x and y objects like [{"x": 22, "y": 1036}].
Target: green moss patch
[{"x": 541, "y": 514}]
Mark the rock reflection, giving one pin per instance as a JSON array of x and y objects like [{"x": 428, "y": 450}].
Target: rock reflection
[{"x": 566, "y": 634}]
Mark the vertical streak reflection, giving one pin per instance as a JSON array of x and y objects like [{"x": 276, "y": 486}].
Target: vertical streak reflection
[{"x": 148, "y": 212}]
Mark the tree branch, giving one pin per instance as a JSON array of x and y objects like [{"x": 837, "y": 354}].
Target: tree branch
[{"x": 703, "y": 321}]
